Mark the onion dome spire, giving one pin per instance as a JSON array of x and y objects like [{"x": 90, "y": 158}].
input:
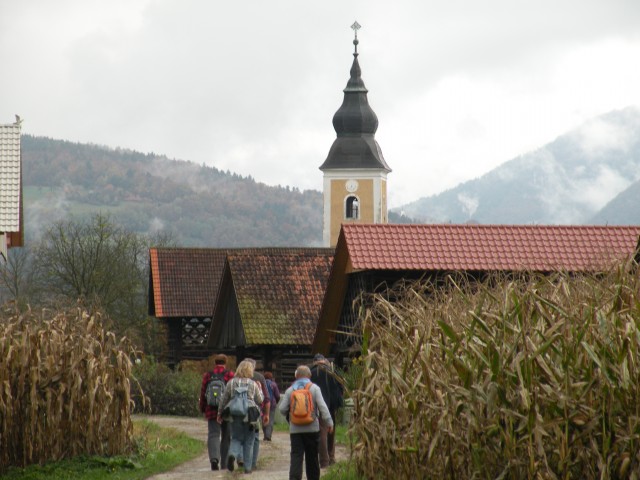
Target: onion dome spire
[{"x": 355, "y": 124}]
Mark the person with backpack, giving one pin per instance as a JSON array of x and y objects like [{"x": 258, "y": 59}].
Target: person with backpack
[
  {"x": 303, "y": 405},
  {"x": 322, "y": 374},
  {"x": 274, "y": 396},
  {"x": 213, "y": 387},
  {"x": 265, "y": 410},
  {"x": 240, "y": 405}
]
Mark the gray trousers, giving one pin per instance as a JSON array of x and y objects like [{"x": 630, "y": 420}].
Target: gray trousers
[
  {"x": 268, "y": 429},
  {"x": 218, "y": 439},
  {"x": 327, "y": 446}
]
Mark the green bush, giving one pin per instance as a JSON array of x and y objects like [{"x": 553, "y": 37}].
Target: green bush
[{"x": 166, "y": 392}]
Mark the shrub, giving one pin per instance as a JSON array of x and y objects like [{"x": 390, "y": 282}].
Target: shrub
[
  {"x": 537, "y": 377},
  {"x": 65, "y": 388},
  {"x": 167, "y": 392}
]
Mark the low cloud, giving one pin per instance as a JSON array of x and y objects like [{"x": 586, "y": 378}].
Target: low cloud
[
  {"x": 51, "y": 207},
  {"x": 156, "y": 225},
  {"x": 599, "y": 136},
  {"x": 469, "y": 203},
  {"x": 596, "y": 193}
]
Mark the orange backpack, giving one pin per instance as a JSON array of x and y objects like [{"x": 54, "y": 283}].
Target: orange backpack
[{"x": 301, "y": 406}]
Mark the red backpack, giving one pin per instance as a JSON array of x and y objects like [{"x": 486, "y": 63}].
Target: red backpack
[{"x": 301, "y": 406}]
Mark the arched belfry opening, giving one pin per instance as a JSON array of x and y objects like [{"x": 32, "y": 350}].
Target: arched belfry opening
[
  {"x": 352, "y": 208},
  {"x": 355, "y": 172}
]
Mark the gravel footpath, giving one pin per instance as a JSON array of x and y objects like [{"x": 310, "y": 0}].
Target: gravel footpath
[{"x": 273, "y": 462}]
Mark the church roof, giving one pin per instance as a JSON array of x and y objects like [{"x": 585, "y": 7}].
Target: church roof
[{"x": 355, "y": 124}]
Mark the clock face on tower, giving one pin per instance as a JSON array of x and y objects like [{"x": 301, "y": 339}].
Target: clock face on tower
[{"x": 351, "y": 185}]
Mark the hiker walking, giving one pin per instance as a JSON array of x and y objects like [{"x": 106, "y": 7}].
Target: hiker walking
[
  {"x": 274, "y": 397},
  {"x": 218, "y": 434},
  {"x": 322, "y": 374},
  {"x": 240, "y": 405},
  {"x": 303, "y": 405},
  {"x": 265, "y": 413}
]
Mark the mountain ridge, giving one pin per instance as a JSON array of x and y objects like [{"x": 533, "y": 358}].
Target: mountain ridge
[
  {"x": 570, "y": 180},
  {"x": 590, "y": 175}
]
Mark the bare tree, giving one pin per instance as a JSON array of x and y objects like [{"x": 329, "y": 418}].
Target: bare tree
[
  {"x": 17, "y": 280},
  {"x": 100, "y": 264}
]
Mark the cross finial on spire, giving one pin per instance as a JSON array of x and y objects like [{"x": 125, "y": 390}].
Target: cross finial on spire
[{"x": 356, "y": 26}]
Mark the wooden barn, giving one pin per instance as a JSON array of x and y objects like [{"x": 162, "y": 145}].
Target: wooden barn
[
  {"x": 258, "y": 302},
  {"x": 183, "y": 288},
  {"x": 268, "y": 305},
  {"x": 369, "y": 258}
]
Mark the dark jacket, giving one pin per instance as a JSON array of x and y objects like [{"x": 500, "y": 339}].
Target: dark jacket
[
  {"x": 266, "y": 403},
  {"x": 323, "y": 376},
  {"x": 276, "y": 393}
]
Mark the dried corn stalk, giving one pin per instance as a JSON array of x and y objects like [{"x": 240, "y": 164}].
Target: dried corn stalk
[
  {"x": 535, "y": 377},
  {"x": 64, "y": 388}
]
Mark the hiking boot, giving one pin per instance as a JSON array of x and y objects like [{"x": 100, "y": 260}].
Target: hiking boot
[
  {"x": 214, "y": 465},
  {"x": 231, "y": 463}
]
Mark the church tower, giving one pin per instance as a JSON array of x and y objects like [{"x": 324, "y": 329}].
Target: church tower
[{"x": 355, "y": 172}]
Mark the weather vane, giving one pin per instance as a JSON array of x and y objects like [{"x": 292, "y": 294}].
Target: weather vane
[{"x": 356, "y": 26}]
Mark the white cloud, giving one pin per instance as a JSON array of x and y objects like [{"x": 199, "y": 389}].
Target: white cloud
[{"x": 251, "y": 87}]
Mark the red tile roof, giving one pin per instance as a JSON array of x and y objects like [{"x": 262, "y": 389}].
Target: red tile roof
[
  {"x": 279, "y": 293},
  {"x": 449, "y": 247},
  {"x": 486, "y": 247},
  {"x": 184, "y": 281}
]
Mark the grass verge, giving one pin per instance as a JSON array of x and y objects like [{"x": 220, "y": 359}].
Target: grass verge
[
  {"x": 156, "y": 450},
  {"x": 341, "y": 471}
]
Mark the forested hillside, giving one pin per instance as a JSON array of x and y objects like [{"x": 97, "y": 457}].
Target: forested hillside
[{"x": 145, "y": 193}]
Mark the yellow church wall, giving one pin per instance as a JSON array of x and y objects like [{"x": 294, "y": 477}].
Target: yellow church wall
[
  {"x": 383, "y": 200},
  {"x": 339, "y": 193}
]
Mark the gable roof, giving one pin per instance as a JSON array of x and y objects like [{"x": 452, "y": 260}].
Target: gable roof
[
  {"x": 278, "y": 292},
  {"x": 448, "y": 247},
  {"x": 184, "y": 281},
  {"x": 10, "y": 174},
  {"x": 486, "y": 247}
]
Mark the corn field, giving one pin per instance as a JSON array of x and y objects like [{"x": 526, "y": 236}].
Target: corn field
[
  {"x": 64, "y": 388},
  {"x": 529, "y": 378}
]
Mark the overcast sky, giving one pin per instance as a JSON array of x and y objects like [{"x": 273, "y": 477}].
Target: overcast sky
[{"x": 251, "y": 86}]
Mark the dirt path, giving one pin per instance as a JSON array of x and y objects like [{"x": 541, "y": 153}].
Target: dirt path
[{"x": 273, "y": 462}]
